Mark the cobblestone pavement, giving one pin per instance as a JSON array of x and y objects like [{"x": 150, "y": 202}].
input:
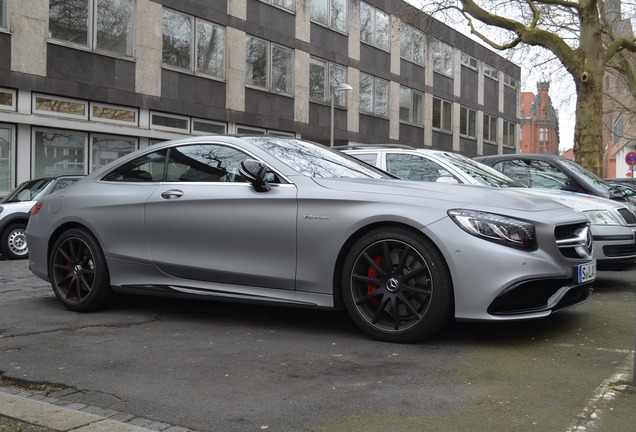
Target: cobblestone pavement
[{"x": 18, "y": 283}]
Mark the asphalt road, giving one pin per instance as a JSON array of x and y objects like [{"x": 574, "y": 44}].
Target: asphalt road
[{"x": 211, "y": 366}]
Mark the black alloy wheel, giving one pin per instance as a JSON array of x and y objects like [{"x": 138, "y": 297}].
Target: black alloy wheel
[
  {"x": 78, "y": 272},
  {"x": 397, "y": 286}
]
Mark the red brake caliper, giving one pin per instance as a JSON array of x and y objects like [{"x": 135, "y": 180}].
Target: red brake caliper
[{"x": 374, "y": 275}]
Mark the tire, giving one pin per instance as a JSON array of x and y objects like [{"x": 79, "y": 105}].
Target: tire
[
  {"x": 14, "y": 245},
  {"x": 79, "y": 273},
  {"x": 397, "y": 285}
]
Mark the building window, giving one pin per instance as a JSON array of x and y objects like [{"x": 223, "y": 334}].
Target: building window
[
  {"x": 323, "y": 75},
  {"x": 442, "y": 57},
  {"x": 617, "y": 130},
  {"x": 6, "y": 151},
  {"x": 4, "y": 22},
  {"x": 7, "y": 99},
  {"x": 541, "y": 135},
  {"x": 284, "y": 4},
  {"x": 374, "y": 95},
  {"x": 491, "y": 72},
  {"x": 374, "y": 26},
  {"x": 179, "y": 30},
  {"x": 104, "y": 25},
  {"x": 248, "y": 130},
  {"x": 510, "y": 81},
  {"x": 411, "y": 106},
  {"x": 469, "y": 61},
  {"x": 205, "y": 127},
  {"x": 467, "y": 122},
  {"x": 106, "y": 149},
  {"x": 114, "y": 114},
  {"x": 60, "y": 107},
  {"x": 330, "y": 13},
  {"x": 169, "y": 122},
  {"x": 508, "y": 134},
  {"x": 58, "y": 152},
  {"x": 490, "y": 128},
  {"x": 269, "y": 66},
  {"x": 412, "y": 44},
  {"x": 442, "y": 115}
]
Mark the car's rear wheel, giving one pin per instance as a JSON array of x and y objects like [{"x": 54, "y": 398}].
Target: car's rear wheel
[
  {"x": 78, "y": 271},
  {"x": 14, "y": 245},
  {"x": 397, "y": 286}
]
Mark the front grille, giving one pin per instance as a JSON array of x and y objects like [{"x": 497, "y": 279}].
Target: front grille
[
  {"x": 627, "y": 216},
  {"x": 574, "y": 241}
]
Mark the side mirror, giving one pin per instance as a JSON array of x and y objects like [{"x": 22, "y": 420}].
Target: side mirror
[{"x": 254, "y": 172}]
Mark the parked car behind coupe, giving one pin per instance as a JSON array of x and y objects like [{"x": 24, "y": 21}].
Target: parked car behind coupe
[
  {"x": 14, "y": 212},
  {"x": 280, "y": 220},
  {"x": 613, "y": 225}
]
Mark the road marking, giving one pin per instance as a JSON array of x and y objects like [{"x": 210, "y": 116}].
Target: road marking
[{"x": 605, "y": 393}]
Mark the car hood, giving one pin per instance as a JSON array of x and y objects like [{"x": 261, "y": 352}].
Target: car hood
[
  {"x": 581, "y": 202},
  {"x": 459, "y": 195}
]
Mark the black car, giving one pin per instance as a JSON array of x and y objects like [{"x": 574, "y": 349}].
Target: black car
[{"x": 548, "y": 171}]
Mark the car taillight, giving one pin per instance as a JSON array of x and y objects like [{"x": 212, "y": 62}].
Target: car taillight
[{"x": 36, "y": 208}]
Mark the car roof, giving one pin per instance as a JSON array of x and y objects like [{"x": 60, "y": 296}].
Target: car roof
[{"x": 539, "y": 156}]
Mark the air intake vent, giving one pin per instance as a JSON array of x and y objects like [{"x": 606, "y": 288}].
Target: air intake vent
[{"x": 627, "y": 216}]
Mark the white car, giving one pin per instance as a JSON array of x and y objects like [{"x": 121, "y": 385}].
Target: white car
[
  {"x": 613, "y": 224},
  {"x": 14, "y": 212}
]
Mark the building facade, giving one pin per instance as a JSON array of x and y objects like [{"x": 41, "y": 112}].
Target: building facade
[
  {"x": 83, "y": 82},
  {"x": 539, "y": 122}
]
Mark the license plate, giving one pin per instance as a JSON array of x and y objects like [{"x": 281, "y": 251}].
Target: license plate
[{"x": 586, "y": 272}]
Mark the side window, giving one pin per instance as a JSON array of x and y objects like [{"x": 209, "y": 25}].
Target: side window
[
  {"x": 544, "y": 175},
  {"x": 370, "y": 158},
  {"x": 205, "y": 163},
  {"x": 414, "y": 167},
  {"x": 147, "y": 168}
]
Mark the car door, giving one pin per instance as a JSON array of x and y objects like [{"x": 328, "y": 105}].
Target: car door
[{"x": 204, "y": 222}]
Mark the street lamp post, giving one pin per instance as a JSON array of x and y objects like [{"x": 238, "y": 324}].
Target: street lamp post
[{"x": 334, "y": 89}]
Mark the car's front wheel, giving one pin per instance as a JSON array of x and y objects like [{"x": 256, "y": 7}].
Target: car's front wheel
[
  {"x": 14, "y": 245},
  {"x": 78, "y": 271},
  {"x": 397, "y": 286}
]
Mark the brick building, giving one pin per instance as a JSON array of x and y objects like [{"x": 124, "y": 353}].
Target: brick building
[{"x": 539, "y": 122}]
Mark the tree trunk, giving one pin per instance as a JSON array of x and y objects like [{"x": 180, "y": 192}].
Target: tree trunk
[{"x": 588, "y": 129}]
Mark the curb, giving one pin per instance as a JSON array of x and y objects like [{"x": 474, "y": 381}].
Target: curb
[{"x": 44, "y": 414}]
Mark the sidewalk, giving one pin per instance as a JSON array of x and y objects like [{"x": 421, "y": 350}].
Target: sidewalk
[{"x": 21, "y": 411}]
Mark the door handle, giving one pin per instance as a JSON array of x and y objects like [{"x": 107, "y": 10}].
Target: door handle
[{"x": 172, "y": 194}]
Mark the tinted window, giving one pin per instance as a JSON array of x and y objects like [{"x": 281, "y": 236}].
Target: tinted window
[
  {"x": 536, "y": 174},
  {"x": 146, "y": 168},
  {"x": 63, "y": 183},
  {"x": 27, "y": 191},
  {"x": 205, "y": 163}
]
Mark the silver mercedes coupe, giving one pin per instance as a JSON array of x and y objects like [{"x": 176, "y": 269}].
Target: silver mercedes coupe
[{"x": 284, "y": 221}]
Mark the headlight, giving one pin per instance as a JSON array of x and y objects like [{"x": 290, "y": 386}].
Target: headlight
[
  {"x": 602, "y": 217},
  {"x": 496, "y": 228}
]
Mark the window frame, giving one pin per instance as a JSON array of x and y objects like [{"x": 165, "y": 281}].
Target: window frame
[
  {"x": 510, "y": 81},
  {"x": 269, "y": 66},
  {"x": 486, "y": 132},
  {"x": 491, "y": 72},
  {"x": 193, "y": 42},
  {"x": 442, "y": 57},
  {"x": 92, "y": 32},
  {"x": 91, "y": 147},
  {"x": 375, "y": 96},
  {"x": 415, "y": 36},
  {"x": 5, "y": 12},
  {"x": 194, "y": 131},
  {"x": 35, "y": 169},
  {"x": 414, "y": 110},
  {"x": 154, "y": 126},
  {"x": 509, "y": 131},
  {"x": 35, "y": 110},
  {"x": 328, "y": 80},
  {"x": 383, "y": 44},
  {"x": 340, "y": 26},
  {"x": 464, "y": 130},
  {"x": 278, "y": 4},
  {"x": 10, "y": 158},
  {"x": 14, "y": 103},
  {"x": 442, "y": 115},
  {"x": 468, "y": 60},
  {"x": 93, "y": 117}
]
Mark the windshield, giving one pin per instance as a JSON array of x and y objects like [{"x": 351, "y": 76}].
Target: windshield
[
  {"x": 484, "y": 174},
  {"x": 314, "y": 160},
  {"x": 586, "y": 177},
  {"x": 27, "y": 191}
]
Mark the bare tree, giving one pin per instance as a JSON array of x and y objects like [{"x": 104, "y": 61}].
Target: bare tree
[{"x": 578, "y": 33}]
